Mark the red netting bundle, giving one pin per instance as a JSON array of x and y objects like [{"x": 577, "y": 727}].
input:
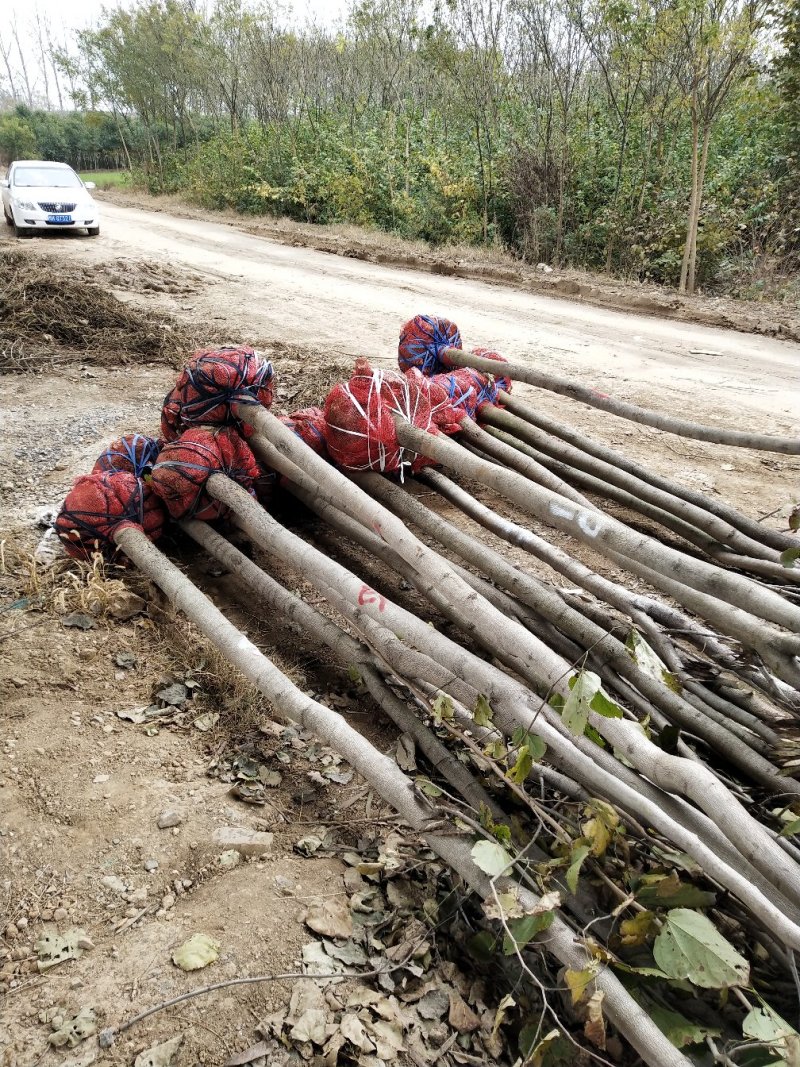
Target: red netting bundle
[
  {"x": 489, "y": 389},
  {"x": 309, "y": 425},
  {"x": 184, "y": 466},
  {"x": 134, "y": 453},
  {"x": 454, "y": 397},
  {"x": 423, "y": 339},
  {"x": 99, "y": 505},
  {"x": 213, "y": 380},
  {"x": 359, "y": 419}
]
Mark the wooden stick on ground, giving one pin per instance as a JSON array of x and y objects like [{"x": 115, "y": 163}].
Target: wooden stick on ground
[
  {"x": 524, "y": 372},
  {"x": 590, "y": 447},
  {"x": 388, "y": 781},
  {"x": 749, "y": 836}
]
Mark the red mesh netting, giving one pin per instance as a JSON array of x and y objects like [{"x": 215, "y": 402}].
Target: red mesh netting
[
  {"x": 184, "y": 466},
  {"x": 423, "y": 339},
  {"x": 213, "y": 380},
  {"x": 134, "y": 453},
  {"x": 359, "y": 424},
  {"x": 309, "y": 425},
  {"x": 500, "y": 381},
  {"x": 99, "y": 505},
  {"x": 454, "y": 397}
]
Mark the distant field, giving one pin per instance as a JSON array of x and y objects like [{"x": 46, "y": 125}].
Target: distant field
[{"x": 106, "y": 179}]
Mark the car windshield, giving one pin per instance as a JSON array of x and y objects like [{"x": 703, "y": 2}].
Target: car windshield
[{"x": 46, "y": 178}]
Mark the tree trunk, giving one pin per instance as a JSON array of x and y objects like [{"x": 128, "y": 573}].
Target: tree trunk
[
  {"x": 690, "y": 225},
  {"x": 698, "y": 203}
]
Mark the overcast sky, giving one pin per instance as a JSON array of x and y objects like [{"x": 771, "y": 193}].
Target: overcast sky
[
  {"x": 78, "y": 14},
  {"x": 26, "y": 74}
]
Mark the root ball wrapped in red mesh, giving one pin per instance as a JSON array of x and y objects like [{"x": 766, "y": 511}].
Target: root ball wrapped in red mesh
[
  {"x": 212, "y": 381},
  {"x": 454, "y": 397},
  {"x": 135, "y": 453},
  {"x": 100, "y": 505},
  {"x": 309, "y": 425},
  {"x": 422, "y": 341},
  {"x": 184, "y": 466},
  {"x": 359, "y": 420},
  {"x": 489, "y": 394}
]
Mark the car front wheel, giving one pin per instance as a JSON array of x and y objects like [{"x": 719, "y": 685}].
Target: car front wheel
[
  {"x": 9, "y": 220},
  {"x": 22, "y": 231},
  {"x": 93, "y": 231}
]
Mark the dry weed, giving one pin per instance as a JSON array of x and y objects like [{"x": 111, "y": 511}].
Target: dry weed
[
  {"x": 46, "y": 304},
  {"x": 94, "y": 587},
  {"x": 242, "y": 707}
]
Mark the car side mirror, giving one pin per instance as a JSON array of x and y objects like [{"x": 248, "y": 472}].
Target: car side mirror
[
  {"x": 4, "y": 183},
  {"x": 90, "y": 185}
]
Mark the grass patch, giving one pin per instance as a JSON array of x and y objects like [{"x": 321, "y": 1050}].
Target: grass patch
[{"x": 107, "y": 179}]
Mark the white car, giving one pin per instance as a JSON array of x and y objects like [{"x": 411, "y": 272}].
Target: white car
[{"x": 38, "y": 195}]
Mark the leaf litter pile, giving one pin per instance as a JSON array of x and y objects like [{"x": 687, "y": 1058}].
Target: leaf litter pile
[
  {"x": 46, "y": 308},
  {"x": 583, "y": 845}
]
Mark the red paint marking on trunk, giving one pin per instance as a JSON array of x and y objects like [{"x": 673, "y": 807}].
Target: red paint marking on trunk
[{"x": 367, "y": 595}]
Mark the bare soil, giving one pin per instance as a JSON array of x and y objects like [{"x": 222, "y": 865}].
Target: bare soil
[{"x": 81, "y": 788}]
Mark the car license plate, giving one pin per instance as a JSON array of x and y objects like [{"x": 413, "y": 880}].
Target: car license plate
[{"x": 59, "y": 218}]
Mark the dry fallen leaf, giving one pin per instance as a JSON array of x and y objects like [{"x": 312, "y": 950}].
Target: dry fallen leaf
[
  {"x": 461, "y": 1016},
  {"x": 331, "y": 918},
  {"x": 388, "y": 1039},
  {"x": 353, "y": 1029},
  {"x": 310, "y": 1027},
  {"x": 595, "y": 1026},
  {"x": 163, "y": 1054}
]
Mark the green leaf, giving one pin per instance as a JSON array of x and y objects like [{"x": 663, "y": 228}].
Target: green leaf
[
  {"x": 501, "y": 832},
  {"x": 648, "y": 661},
  {"x": 790, "y": 557},
  {"x": 586, "y": 694},
  {"x": 427, "y": 787},
  {"x": 668, "y": 891},
  {"x": 577, "y": 705},
  {"x": 522, "y": 768},
  {"x": 677, "y": 1028},
  {"x": 579, "y": 981},
  {"x": 483, "y": 713},
  {"x": 605, "y": 706},
  {"x": 491, "y": 857},
  {"x": 534, "y": 1054},
  {"x": 522, "y": 738},
  {"x": 482, "y": 946},
  {"x": 197, "y": 952},
  {"x": 690, "y": 946},
  {"x": 764, "y": 1024},
  {"x": 442, "y": 708},
  {"x": 354, "y": 674},
  {"x": 592, "y": 735},
  {"x": 791, "y": 828},
  {"x": 523, "y": 930},
  {"x": 579, "y": 854}
]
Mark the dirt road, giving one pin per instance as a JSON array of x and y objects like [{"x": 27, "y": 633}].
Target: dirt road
[{"x": 305, "y": 296}]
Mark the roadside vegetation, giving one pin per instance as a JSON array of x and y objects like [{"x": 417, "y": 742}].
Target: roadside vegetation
[
  {"x": 654, "y": 140},
  {"x": 107, "y": 179}
]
